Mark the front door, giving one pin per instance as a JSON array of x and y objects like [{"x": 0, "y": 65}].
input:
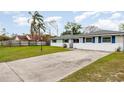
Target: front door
[{"x": 71, "y": 44}]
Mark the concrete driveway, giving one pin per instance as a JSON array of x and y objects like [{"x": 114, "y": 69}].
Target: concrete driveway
[{"x": 51, "y": 67}]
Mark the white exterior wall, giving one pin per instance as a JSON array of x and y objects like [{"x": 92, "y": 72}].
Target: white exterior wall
[
  {"x": 59, "y": 43},
  {"x": 96, "y": 46},
  {"x": 96, "y": 39},
  {"x": 101, "y": 46},
  {"x": 119, "y": 39}
]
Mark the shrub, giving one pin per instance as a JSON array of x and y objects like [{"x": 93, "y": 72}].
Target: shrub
[
  {"x": 118, "y": 49},
  {"x": 65, "y": 45}
]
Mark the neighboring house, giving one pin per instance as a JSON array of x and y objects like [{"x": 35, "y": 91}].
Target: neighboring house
[
  {"x": 27, "y": 38},
  {"x": 103, "y": 40}
]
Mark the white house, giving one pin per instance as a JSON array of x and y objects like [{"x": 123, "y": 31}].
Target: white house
[{"x": 103, "y": 40}]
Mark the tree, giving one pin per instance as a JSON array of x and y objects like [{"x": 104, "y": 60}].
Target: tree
[
  {"x": 54, "y": 24},
  {"x": 121, "y": 27},
  {"x": 37, "y": 24},
  {"x": 66, "y": 33},
  {"x": 89, "y": 29},
  {"x": 72, "y": 28},
  {"x": 3, "y": 31},
  {"x": 4, "y": 37}
]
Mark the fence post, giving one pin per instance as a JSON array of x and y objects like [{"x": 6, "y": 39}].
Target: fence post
[
  {"x": 1, "y": 43},
  {"x": 35, "y": 43},
  {"x": 10, "y": 43},
  {"x": 28, "y": 43},
  {"x": 19, "y": 43}
]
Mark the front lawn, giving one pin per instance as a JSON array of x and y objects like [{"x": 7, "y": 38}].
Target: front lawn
[
  {"x": 14, "y": 53},
  {"x": 109, "y": 68}
]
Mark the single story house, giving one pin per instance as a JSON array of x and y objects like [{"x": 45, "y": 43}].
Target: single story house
[
  {"x": 27, "y": 38},
  {"x": 104, "y": 40}
]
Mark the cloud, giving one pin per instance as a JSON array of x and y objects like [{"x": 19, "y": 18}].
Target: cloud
[
  {"x": 75, "y": 12},
  {"x": 20, "y": 20},
  {"x": 18, "y": 17},
  {"x": 115, "y": 15},
  {"x": 93, "y": 15},
  {"x": 111, "y": 23},
  {"x": 108, "y": 24},
  {"x": 53, "y": 18},
  {"x": 11, "y": 12},
  {"x": 84, "y": 16}
]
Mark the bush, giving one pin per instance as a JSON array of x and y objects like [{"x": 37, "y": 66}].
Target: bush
[
  {"x": 3, "y": 38},
  {"x": 118, "y": 49},
  {"x": 65, "y": 45}
]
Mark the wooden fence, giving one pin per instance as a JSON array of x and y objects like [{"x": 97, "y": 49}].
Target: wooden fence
[{"x": 22, "y": 43}]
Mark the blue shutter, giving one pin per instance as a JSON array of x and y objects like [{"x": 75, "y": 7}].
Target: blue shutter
[
  {"x": 99, "y": 39},
  {"x": 113, "y": 39},
  {"x": 83, "y": 39},
  {"x": 93, "y": 39}
]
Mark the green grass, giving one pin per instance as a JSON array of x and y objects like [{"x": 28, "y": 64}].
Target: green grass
[
  {"x": 109, "y": 68},
  {"x": 14, "y": 53}
]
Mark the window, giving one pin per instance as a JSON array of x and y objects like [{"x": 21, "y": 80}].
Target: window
[
  {"x": 106, "y": 39},
  {"x": 65, "y": 40},
  {"x": 76, "y": 40},
  {"x": 54, "y": 41},
  {"x": 88, "y": 40},
  {"x": 99, "y": 39}
]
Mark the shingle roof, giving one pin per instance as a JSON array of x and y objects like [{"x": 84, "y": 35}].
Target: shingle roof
[
  {"x": 66, "y": 37},
  {"x": 35, "y": 37},
  {"x": 105, "y": 32},
  {"x": 24, "y": 38},
  {"x": 96, "y": 33}
]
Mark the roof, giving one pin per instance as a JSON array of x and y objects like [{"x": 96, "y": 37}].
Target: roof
[
  {"x": 96, "y": 33},
  {"x": 35, "y": 37},
  {"x": 100, "y": 32},
  {"x": 25, "y": 38},
  {"x": 66, "y": 37}
]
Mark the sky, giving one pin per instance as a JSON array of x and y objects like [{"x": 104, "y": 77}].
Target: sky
[{"x": 17, "y": 22}]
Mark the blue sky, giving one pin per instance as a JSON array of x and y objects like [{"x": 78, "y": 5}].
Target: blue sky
[{"x": 16, "y": 22}]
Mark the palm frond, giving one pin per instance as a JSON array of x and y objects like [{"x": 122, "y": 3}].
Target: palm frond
[{"x": 38, "y": 24}]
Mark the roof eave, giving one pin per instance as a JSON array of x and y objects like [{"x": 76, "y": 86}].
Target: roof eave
[{"x": 79, "y": 36}]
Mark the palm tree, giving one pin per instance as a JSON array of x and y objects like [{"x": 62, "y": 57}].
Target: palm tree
[
  {"x": 37, "y": 25},
  {"x": 3, "y": 31}
]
